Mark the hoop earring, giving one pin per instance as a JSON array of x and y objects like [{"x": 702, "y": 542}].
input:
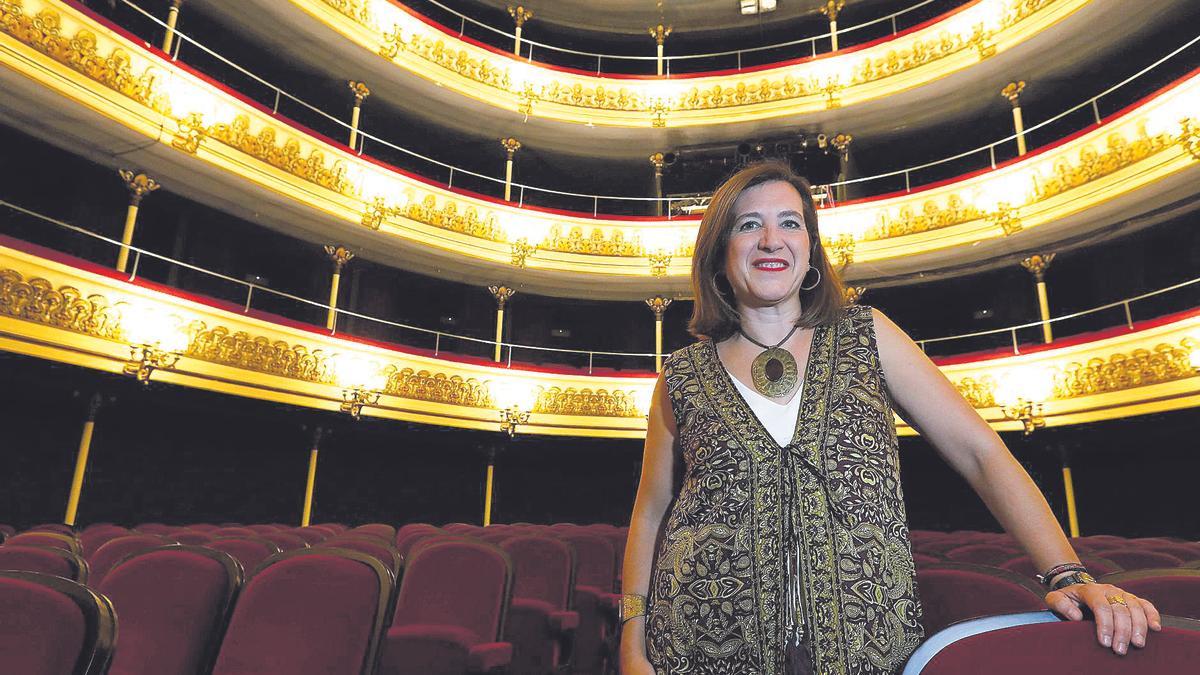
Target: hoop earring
[{"x": 815, "y": 283}]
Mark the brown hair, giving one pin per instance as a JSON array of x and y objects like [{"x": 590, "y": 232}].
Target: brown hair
[{"x": 714, "y": 314}]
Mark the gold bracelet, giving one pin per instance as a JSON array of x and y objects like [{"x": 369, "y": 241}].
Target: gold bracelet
[{"x": 632, "y": 606}]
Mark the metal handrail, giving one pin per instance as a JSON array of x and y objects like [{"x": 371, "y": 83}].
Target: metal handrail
[
  {"x": 521, "y": 188},
  {"x": 680, "y": 57},
  {"x": 438, "y": 335}
]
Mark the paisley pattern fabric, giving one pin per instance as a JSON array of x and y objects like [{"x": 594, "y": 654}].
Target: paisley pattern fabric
[{"x": 829, "y": 502}]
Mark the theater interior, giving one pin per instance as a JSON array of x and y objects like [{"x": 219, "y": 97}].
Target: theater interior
[{"x": 328, "y": 328}]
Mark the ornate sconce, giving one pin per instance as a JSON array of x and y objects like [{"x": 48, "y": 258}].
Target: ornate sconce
[
  {"x": 156, "y": 341},
  {"x": 362, "y": 383},
  {"x": 1020, "y": 394},
  {"x": 515, "y": 401},
  {"x": 1028, "y": 413}
]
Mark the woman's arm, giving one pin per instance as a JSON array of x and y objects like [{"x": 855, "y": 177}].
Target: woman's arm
[
  {"x": 654, "y": 495},
  {"x": 932, "y": 405}
]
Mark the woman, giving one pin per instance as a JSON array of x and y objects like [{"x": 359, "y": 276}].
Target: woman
[{"x": 769, "y": 533}]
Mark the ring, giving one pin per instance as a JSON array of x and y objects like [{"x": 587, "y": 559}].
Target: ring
[{"x": 1117, "y": 600}]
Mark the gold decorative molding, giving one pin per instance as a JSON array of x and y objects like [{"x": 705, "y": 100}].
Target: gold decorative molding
[
  {"x": 423, "y": 385},
  {"x": 841, "y": 249},
  {"x": 1189, "y": 137},
  {"x": 1121, "y": 371},
  {"x": 932, "y": 216},
  {"x": 1119, "y": 153},
  {"x": 36, "y": 299},
  {"x": 1007, "y": 218},
  {"x": 599, "y": 242},
  {"x": 658, "y": 304},
  {"x": 1037, "y": 264},
  {"x": 979, "y": 393},
  {"x": 285, "y": 155},
  {"x": 587, "y": 402},
  {"x": 259, "y": 353}
]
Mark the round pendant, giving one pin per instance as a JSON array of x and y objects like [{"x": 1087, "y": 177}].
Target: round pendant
[{"x": 774, "y": 372}]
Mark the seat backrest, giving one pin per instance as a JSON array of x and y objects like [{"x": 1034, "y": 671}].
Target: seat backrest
[
  {"x": 543, "y": 569},
  {"x": 156, "y": 528},
  {"x": 95, "y": 537},
  {"x": 372, "y": 546},
  {"x": 382, "y": 530},
  {"x": 1173, "y": 591},
  {"x": 173, "y": 603},
  {"x": 336, "y": 528},
  {"x": 53, "y": 527},
  {"x": 1096, "y": 565},
  {"x": 6, "y": 531},
  {"x": 982, "y": 554},
  {"x": 1139, "y": 558},
  {"x": 594, "y": 559},
  {"x": 308, "y": 612},
  {"x": 249, "y": 551},
  {"x": 204, "y": 527},
  {"x": 112, "y": 552},
  {"x": 311, "y": 535},
  {"x": 457, "y": 582},
  {"x": 286, "y": 541},
  {"x": 1185, "y": 552},
  {"x": 262, "y": 528},
  {"x": 45, "y": 560},
  {"x": 951, "y": 592},
  {"x": 47, "y": 540},
  {"x": 234, "y": 532},
  {"x": 1039, "y": 642},
  {"x": 192, "y": 538},
  {"x": 53, "y": 626},
  {"x": 411, "y": 529}
]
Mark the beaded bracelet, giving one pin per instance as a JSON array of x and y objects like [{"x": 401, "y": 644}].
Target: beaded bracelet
[{"x": 1048, "y": 577}]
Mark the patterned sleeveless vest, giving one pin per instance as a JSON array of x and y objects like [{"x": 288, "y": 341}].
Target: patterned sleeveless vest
[{"x": 828, "y": 506}]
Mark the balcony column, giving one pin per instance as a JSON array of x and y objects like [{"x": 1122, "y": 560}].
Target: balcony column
[
  {"x": 339, "y": 256},
  {"x": 657, "y": 160},
  {"x": 511, "y": 146},
  {"x": 172, "y": 18},
  {"x": 306, "y": 514},
  {"x": 1012, "y": 92},
  {"x": 487, "y": 487},
  {"x": 501, "y": 294},
  {"x": 1037, "y": 266},
  {"x": 1069, "y": 491},
  {"x": 139, "y": 185},
  {"x": 841, "y": 143},
  {"x": 831, "y": 9},
  {"x": 658, "y": 304},
  {"x": 520, "y": 15},
  {"x": 81, "y": 459},
  {"x": 660, "y": 33},
  {"x": 361, "y": 92}
]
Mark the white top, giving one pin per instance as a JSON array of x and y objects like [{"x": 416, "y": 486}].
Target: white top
[{"x": 779, "y": 419}]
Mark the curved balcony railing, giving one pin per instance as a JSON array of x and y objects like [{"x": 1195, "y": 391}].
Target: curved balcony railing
[
  {"x": 1084, "y": 115},
  {"x": 732, "y": 59},
  {"x": 31, "y": 226}
]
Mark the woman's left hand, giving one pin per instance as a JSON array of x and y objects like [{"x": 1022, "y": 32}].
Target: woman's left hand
[{"x": 1121, "y": 617}]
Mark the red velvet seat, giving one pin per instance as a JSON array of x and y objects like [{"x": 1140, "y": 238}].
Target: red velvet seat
[
  {"x": 234, "y": 532},
  {"x": 541, "y": 625},
  {"x": 411, "y": 529},
  {"x": 93, "y": 538},
  {"x": 922, "y": 559},
  {"x": 597, "y": 605},
  {"x": 173, "y": 603},
  {"x": 286, "y": 541},
  {"x": 262, "y": 528},
  {"x": 47, "y": 540},
  {"x": 53, "y": 561},
  {"x": 463, "y": 528},
  {"x": 1038, "y": 642},
  {"x": 204, "y": 527},
  {"x": 250, "y": 552},
  {"x": 382, "y": 530},
  {"x": 406, "y": 545},
  {"x": 116, "y": 550},
  {"x": 372, "y": 546},
  {"x": 336, "y": 528},
  {"x": 1139, "y": 559},
  {"x": 192, "y": 538},
  {"x": 6, "y": 531},
  {"x": 451, "y": 611},
  {"x": 311, "y": 535},
  {"x": 53, "y": 626},
  {"x": 951, "y": 592},
  {"x": 1096, "y": 565},
  {"x": 308, "y": 612},
  {"x": 1185, "y": 552},
  {"x": 982, "y": 554},
  {"x": 156, "y": 528},
  {"x": 53, "y": 527},
  {"x": 1174, "y": 591}
]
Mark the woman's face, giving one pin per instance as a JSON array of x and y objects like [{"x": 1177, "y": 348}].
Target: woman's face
[{"x": 767, "y": 255}]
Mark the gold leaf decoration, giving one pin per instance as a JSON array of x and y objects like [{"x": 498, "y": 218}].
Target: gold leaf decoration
[
  {"x": 36, "y": 299},
  {"x": 588, "y": 402},
  {"x": 437, "y": 387},
  {"x": 258, "y": 353}
]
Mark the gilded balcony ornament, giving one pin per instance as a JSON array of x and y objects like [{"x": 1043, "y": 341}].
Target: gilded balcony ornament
[
  {"x": 519, "y": 15},
  {"x": 339, "y": 256},
  {"x": 1141, "y": 367},
  {"x": 933, "y": 216},
  {"x": 833, "y": 92},
  {"x": 37, "y": 300},
  {"x": 393, "y": 43},
  {"x": 526, "y": 98},
  {"x": 501, "y": 293},
  {"x": 660, "y": 260},
  {"x": 1028, "y": 413},
  {"x": 447, "y": 217},
  {"x": 979, "y": 393},
  {"x": 423, "y": 385},
  {"x": 355, "y": 398},
  {"x": 511, "y": 418},
  {"x": 1006, "y": 217},
  {"x": 853, "y": 294},
  {"x": 587, "y": 402},
  {"x": 358, "y": 10},
  {"x": 145, "y": 359},
  {"x": 841, "y": 249},
  {"x": 1119, "y": 153},
  {"x": 599, "y": 242},
  {"x": 138, "y": 184},
  {"x": 832, "y": 8},
  {"x": 981, "y": 40},
  {"x": 190, "y": 133},
  {"x": 259, "y": 353},
  {"x": 376, "y": 212},
  {"x": 1189, "y": 137},
  {"x": 521, "y": 249},
  {"x": 288, "y": 157},
  {"x": 658, "y": 114},
  {"x": 1012, "y": 92}
]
